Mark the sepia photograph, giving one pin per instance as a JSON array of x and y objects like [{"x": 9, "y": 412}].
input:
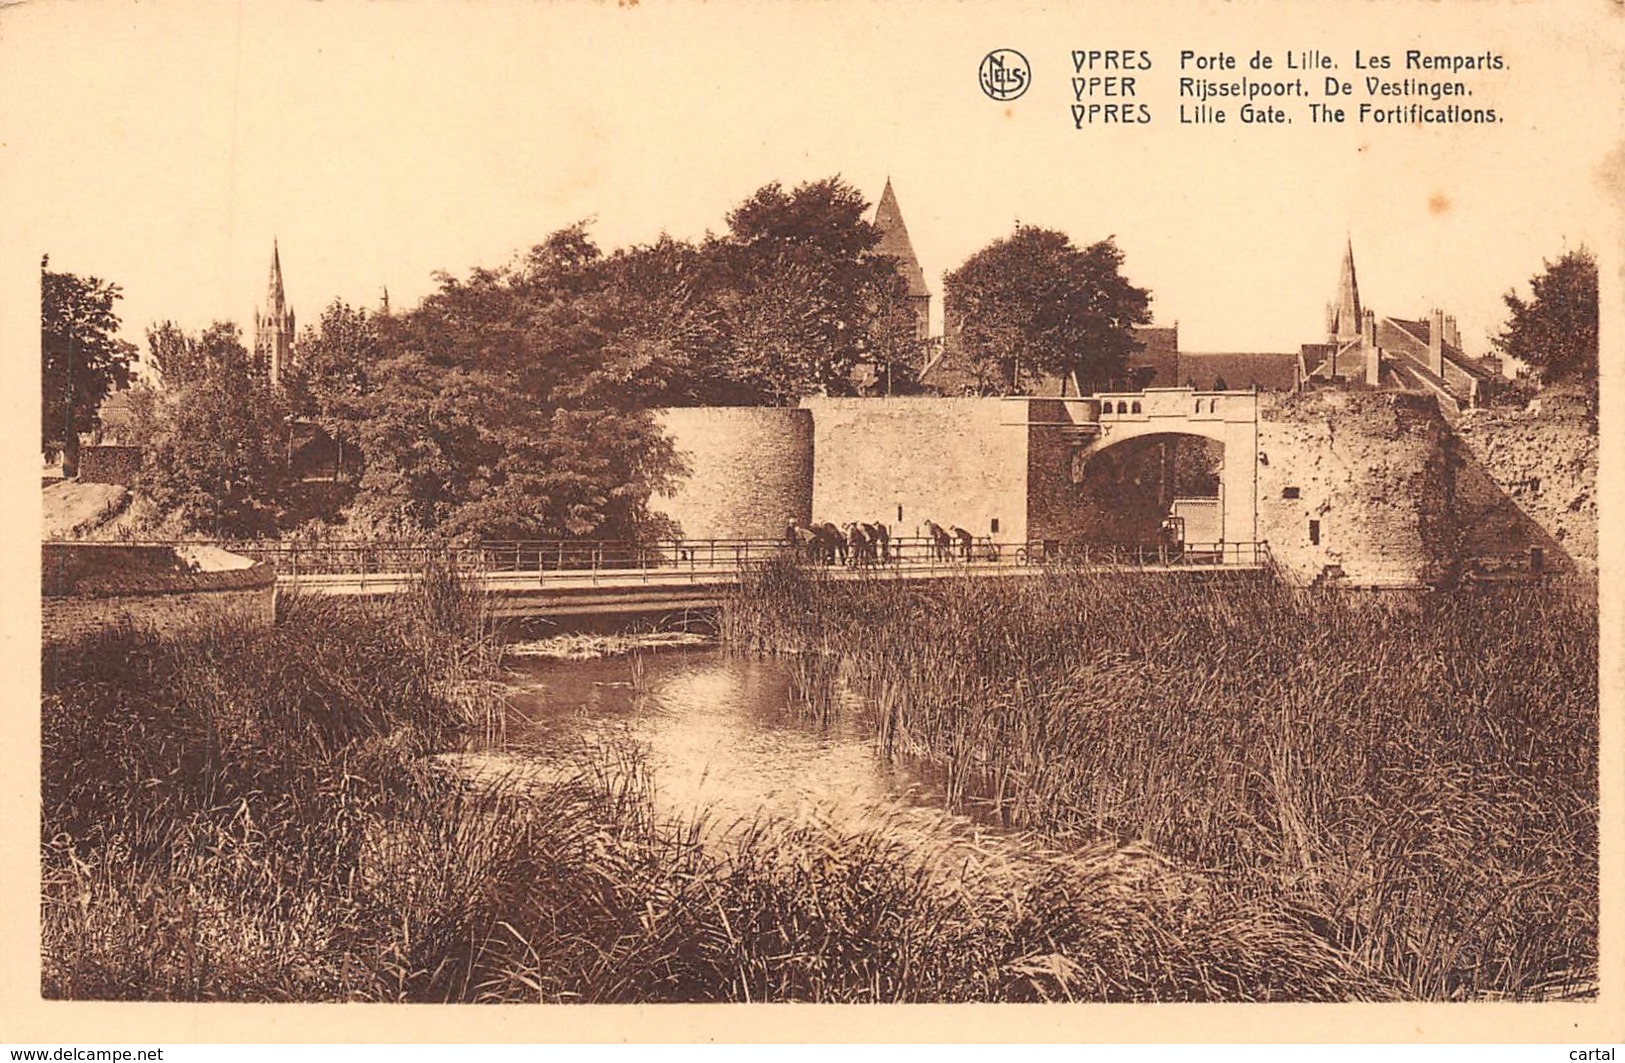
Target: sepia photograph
[{"x": 846, "y": 503}]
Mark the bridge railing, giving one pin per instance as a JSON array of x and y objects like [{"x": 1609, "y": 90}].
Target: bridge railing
[
  {"x": 1159, "y": 555},
  {"x": 496, "y": 558},
  {"x": 574, "y": 560}
]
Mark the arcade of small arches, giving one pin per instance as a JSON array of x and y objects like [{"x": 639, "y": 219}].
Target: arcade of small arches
[{"x": 1203, "y": 404}]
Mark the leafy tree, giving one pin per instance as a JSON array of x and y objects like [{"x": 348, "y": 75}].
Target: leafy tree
[
  {"x": 574, "y": 473},
  {"x": 1035, "y": 303},
  {"x": 175, "y": 354},
  {"x": 331, "y": 372},
  {"x": 786, "y": 303},
  {"x": 543, "y": 325},
  {"x": 426, "y": 450},
  {"x": 805, "y": 288},
  {"x": 507, "y": 405},
  {"x": 462, "y": 451},
  {"x": 1556, "y": 329},
  {"x": 81, "y": 359},
  {"x": 894, "y": 347},
  {"x": 666, "y": 331},
  {"x": 215, "y": 437}
]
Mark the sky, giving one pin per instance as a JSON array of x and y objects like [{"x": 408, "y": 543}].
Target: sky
[{"x": 165, "y": 145}]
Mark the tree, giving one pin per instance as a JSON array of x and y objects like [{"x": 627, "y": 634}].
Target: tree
[
  {"x": 893, "y": 344},
  {"x": 666, "y": 329},
  {"x": 1555, "y": 331},
  {"x": 507, "y": 405},
  {"x": 1035, "y": 303},
  {"x": 216, "y": 436},
  {"x": 174, "y": 354},
  {"x": 427, "y": 450},
  {"x": 545, "y": 325},
  {"x": 81, "y": 359},
  {"x": 331, "y": 372},
  {"x": 805, "y": 288},
  {"x": 463, "y": 452}
]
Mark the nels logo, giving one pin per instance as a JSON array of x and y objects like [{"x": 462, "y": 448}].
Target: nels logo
[{"x": 1004, "y": 74}]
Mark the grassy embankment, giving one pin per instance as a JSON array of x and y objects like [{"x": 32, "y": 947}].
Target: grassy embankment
[{"x": 1412, "y": 783}]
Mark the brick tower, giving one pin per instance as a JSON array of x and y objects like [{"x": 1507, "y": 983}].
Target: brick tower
[{"x": 274, "y": 329}]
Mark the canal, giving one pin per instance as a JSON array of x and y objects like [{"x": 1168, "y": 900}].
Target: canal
[{"x": 716, "y": 729}]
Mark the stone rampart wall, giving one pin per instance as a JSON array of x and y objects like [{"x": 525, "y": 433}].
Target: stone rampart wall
[
  {"x": 751, "y": 471},
  {"x": 62, "y": 619},
  {"x": 1528, "y": 478},
  {"x": 1059, "y": 505},
  {"x": 955, "y": 461},
  {"x": 1366, "y": 474},
  {"x": 86, "y": 587}
]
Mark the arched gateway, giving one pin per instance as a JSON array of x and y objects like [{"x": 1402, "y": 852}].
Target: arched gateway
[{"x": 1107, "y": 427}]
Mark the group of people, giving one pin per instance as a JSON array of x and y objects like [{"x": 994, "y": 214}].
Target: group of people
[
  {"x": 946, "y": 542},
  {"x": 859, "y": 543}
]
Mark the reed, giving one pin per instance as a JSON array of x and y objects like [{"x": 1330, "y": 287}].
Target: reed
[
  {"x": 1413, "y": 780},
  {"x": 1246, "y": 796},
  {"x": 890, "y": 910},
  {"x": 223, "y": 810},
  {"x": 243, "y": 814}
]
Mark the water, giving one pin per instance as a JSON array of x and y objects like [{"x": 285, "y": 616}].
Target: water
[{"x": 717, "y": 731}]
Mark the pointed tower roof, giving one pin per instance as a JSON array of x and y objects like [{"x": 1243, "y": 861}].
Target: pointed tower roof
[
  {"x": 894, "y": 241},
  {"x": 276, "y": 300},
  {"x": 1346, "y": 321}
]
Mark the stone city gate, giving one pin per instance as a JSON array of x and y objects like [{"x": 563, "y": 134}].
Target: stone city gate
[{"x": 1097, "y": 424}]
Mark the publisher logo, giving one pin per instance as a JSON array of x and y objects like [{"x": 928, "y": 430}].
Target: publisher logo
[{"x": 1004, "y": 74}]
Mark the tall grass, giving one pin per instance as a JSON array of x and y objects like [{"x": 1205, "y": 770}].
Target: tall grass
[
  {"x": 451, "y": 630},
  {"x": 217, "y": 805},
  {"x": 1411, "y": 781},
  {"x": 1250, "y": 796},
  {"x": 251, "y": 814}
]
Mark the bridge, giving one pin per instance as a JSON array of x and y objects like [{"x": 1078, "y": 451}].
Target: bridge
[{"x": 573, "y": 579}]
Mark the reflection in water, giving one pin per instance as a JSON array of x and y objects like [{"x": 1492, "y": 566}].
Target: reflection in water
[{"x": 716, "y": 729}]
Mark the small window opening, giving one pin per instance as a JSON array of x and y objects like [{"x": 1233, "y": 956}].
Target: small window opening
[
  {"x": 1314, "y": 533},
  {"x": 994, "y": 529},
  {"x": 1135, "y": 408},
  {"x": 1289, "y": 492},
  {"x": 899, "y": 514}
]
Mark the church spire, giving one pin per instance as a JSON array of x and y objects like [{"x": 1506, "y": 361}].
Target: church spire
[
  {"x": 894, "y": 241},
  {"x": 274, "y": 329},
  {"x": 1343, "y": 320},
  {"x": 275, "y": 298}
]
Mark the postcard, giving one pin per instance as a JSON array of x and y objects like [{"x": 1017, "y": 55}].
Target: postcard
[{"x": 549, "y": 509}]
